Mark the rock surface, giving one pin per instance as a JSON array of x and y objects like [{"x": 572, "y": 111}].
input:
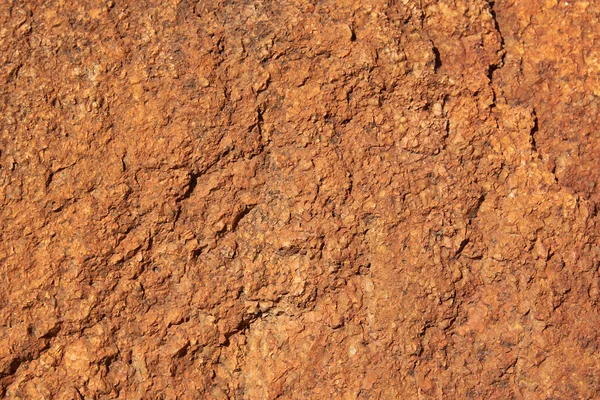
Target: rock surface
[{"x": 337, "y": 199}]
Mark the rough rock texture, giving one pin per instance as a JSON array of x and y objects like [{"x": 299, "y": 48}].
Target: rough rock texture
[{"x": 337, "y": 199}]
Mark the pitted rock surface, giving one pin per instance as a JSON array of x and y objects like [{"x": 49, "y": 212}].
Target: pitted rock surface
[{"x": 299, "y": 200}]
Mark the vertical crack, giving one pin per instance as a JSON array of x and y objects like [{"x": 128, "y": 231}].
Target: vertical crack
[
  {"x": 191, "y": 186},
  {"x": 496, "y": 66},
  {"x": 534, "y": 130}
]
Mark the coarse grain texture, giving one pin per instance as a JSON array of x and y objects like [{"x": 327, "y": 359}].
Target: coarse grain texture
[{"x": 296, "y": 199}]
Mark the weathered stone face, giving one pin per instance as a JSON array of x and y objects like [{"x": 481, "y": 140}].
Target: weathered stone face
[{"x": 260, "y": 200}]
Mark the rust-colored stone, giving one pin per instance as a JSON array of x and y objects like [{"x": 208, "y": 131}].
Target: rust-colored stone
[{"x": 302, "y": 200}]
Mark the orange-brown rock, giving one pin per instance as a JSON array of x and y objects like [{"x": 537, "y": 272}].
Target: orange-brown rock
[{"x": 299, "y": 200}]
